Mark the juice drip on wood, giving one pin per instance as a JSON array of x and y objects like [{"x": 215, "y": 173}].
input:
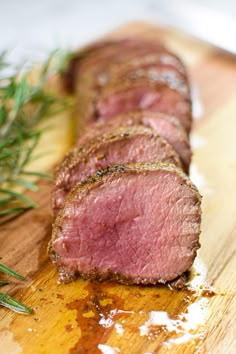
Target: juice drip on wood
[
  {"x": 91, "y": 310},
  {"x": 112, "y": 313}
]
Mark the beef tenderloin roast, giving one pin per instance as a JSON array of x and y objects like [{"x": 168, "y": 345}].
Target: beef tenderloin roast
[{"x": 125, "y": 209}]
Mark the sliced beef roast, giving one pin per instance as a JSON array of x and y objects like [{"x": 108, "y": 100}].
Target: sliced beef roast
[
  {"x": 104, "y": 64},
  {"x": 134, "y": 224},
  {"x": 130, "y": 144},
  {"x": 166, "y": 126}
]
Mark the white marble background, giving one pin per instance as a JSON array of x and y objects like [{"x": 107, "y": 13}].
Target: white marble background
[{"x": 30, "y": 28}]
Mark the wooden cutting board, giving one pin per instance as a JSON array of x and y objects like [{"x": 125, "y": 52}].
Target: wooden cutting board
[{"x": 85, "y": 317}]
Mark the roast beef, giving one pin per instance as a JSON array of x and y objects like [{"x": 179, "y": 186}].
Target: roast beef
[
  {"x": 134, "y": 224},
  {"x": 166, "y": 126},
  {"x": 132, "y": 144},
  {"x": 105, "y": 64}
]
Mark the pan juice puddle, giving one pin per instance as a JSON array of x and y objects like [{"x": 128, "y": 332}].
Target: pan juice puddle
[
  {"x": 130, "y": 315},
  {"x": 187, "y": 326}
]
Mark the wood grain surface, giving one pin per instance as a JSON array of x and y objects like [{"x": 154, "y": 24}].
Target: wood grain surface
[{"x": 84, "y": 317}]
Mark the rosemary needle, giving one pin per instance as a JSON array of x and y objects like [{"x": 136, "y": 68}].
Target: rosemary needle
[
  {"x": 8, "y": 271},
  {"x": 8, "y": 301},
  {"x": 3, "y": 282},
  {"x": 13, "y": 304}
]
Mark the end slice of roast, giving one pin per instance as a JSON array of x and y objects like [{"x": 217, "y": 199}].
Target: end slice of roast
[
  {"x": 98, "y": 57},
  {"x": 133, "y": 223},
  {"x": 166, "y": 126},
  {"x": 125, "y": 145}
]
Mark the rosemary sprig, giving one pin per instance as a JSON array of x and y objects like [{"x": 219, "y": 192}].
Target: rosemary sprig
[
  {"x": 24, "y": 102},
  {"x": 8, "y": 301}
]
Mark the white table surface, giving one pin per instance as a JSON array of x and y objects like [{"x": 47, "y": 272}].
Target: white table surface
[{"x": 31, "y": 28}]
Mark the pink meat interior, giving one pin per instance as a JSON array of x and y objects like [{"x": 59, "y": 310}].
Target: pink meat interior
[
  {"x": 162, "y": 124},
  {"x": 141, "y": 226},
  {"x": 143, "y": 98}
]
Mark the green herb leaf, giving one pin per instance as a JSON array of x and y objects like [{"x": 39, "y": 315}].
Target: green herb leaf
[
  {"x": 3, "y": 115},
  {"x": 14, "y": 211},
  {"x": 39, "y": 174},
  {"x": 3, "y": 282},
  {"x": 21, "y": 93},
  {"x": 8, "y": 271},
  {"x": 14, "y": 305},
  {"x": 25, "y": 184},
  {"x": 20, "y": 196}
]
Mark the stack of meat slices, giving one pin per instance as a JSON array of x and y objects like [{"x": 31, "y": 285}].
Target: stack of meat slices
[{"x": 125, "y": 207}]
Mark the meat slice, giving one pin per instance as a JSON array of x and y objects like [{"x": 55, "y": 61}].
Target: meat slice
[
  {"x": 149, "y": 63},
  {"x": 144, "y": 95},
  {"x": 166, "y": 126},
  {"x": 151, "y": 74},
  {"x": 134, "y": 224},
  {"x": 101, "y": 65},
  {"x": 133, "y": 144}
]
